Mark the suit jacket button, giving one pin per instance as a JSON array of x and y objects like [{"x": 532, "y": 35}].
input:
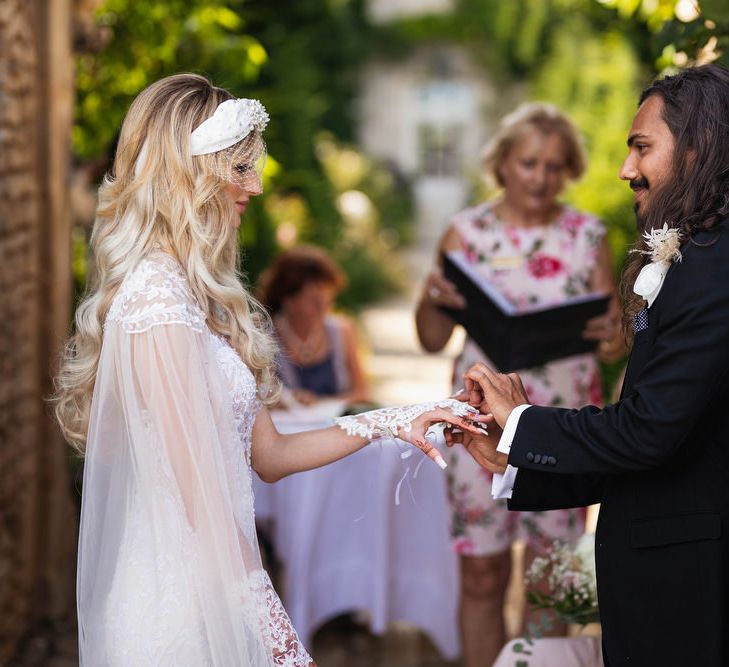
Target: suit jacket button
[
  {"x": 551, "y": 460},
  {"x": 529, "y": 456},
  {"x": 537, "y": 458}
]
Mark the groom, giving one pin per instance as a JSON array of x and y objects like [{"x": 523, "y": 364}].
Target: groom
[{"x": 658, "y": 459}]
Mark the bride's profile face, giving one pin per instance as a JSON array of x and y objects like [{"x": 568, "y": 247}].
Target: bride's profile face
[
  {"x": 243, "y": 172},
  {"x": 240, "y": 193}
]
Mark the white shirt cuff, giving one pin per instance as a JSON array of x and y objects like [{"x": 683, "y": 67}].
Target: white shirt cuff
[{"x": 502, "y": 486}]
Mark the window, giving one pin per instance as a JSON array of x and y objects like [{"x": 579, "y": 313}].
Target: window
[{"x": 440, "y": 150}]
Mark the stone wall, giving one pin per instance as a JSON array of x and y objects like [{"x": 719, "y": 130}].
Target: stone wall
[{"x": 37, "y": 515}]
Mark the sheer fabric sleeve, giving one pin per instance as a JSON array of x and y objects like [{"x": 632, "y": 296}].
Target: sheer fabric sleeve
[{"x": 167, "y": 574}]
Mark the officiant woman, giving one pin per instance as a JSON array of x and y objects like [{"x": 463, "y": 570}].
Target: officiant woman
[{"x": 535, "y": 250}]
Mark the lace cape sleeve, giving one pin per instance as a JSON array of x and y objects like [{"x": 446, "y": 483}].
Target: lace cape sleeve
[
  {"x": 156, "y": 292},
  {"x": 165, "y": 575}
]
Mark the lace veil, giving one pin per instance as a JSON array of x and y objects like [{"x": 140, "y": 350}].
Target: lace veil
[{"x": 169, "y": 571}]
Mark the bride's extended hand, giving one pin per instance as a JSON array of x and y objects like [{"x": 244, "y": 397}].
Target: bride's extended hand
[{"x": 414, "y": 432}]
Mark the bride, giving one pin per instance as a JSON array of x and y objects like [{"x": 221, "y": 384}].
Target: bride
[{"x": 164, "y": 386}]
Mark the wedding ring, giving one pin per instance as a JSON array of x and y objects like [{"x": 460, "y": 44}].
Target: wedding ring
[{"x": 434, "y": 292}]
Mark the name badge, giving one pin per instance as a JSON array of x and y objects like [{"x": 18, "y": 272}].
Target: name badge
[{"x": 507, "y": 262}]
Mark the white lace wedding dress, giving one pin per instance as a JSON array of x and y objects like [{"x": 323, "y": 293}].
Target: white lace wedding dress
[{"x": 169, "y": 567}]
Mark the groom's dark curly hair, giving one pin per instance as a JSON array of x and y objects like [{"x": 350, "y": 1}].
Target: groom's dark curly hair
[{"x": 696, "y": 197}]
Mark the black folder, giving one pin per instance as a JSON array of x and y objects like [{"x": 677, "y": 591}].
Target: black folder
[{"x": 515, "y": 339}]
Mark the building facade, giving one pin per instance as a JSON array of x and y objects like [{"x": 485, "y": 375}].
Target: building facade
[{"x": 429, "y": 115}]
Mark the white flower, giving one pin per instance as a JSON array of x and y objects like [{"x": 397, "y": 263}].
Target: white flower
[
  {"x": 663, "y": 244},
  {"x": 568, "y": 575},
  {"x": 259, "y": 115},
  {"x": 663, "y": 248},
  {"x": 650, "y": 280}
]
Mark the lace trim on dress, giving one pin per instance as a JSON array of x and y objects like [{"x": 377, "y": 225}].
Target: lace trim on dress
[
  {"x": 387, "y": 422},
  {"x": 283, "y": 642},
  {"x": 154, "y": 293}
]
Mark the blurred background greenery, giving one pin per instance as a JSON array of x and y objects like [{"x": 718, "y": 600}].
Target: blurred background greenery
[{"x": 304, "y": 59}]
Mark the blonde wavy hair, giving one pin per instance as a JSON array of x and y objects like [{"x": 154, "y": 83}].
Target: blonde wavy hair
[
  {"x": 157, "y": 194},
  {"x": 527, "y": 117}
]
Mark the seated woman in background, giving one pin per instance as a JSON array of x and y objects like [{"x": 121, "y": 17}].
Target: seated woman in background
[{"x": 318, "y": 349}]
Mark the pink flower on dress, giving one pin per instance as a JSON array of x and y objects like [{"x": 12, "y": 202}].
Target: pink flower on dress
[
  {"x": 474, "y": 515},
  {"x": 545, "y": 266},
  {"x": 536, "y": 393},
  {"x": 586, "y": 383},
  {"x": 529, "y": 389},
  {"x": 595, "y": 390},
  {"x": 572, "y": 222},
  {"x": 463, "y": 546},
  {"x": 513, "y": 237}
]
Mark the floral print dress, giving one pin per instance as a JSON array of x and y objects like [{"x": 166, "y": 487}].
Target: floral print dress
[{"x": 536, "y": 265}]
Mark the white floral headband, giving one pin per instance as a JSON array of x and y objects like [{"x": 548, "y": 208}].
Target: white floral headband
[{"x": 232, "y": 121}]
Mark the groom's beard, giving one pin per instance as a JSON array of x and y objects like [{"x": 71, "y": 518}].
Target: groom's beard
[{"x": 640, "y": 210}]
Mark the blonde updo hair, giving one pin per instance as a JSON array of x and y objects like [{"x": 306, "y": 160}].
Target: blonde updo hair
[
  {"x": 158, "y": 195},
  {"x": 527, "y": 117}
]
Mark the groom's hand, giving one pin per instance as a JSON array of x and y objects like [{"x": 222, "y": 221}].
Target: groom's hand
[
  {"x": 482, "y": 447},
  {"x": 415, "y": 434},
  {"x": 500, "y": 393}
]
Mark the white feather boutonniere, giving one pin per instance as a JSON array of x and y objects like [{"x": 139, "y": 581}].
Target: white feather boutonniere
[{"x": 663, "y": 248}]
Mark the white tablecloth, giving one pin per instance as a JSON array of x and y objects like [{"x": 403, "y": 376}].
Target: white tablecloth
[{"x": 347, "y": 546}]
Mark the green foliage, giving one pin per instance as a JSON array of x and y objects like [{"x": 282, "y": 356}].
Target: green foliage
[
  {"x": 370, "y": 279},
  {"x": 376, "y": 209},
  {"x": 150, "y": 40},
  {"x": 300, "y": 59},
  {"x": 683, "y": 32},
  {"x": 568, "y": 610}
]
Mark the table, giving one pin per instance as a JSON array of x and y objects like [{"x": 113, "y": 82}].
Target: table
[{"x": 346, "y": 545}]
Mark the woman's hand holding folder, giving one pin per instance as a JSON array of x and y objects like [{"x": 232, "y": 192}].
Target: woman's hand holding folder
[
  {"x": 434, "y": 324},
  {"x": 441, "y": 292},
  {"x": 607, "y": 331}
]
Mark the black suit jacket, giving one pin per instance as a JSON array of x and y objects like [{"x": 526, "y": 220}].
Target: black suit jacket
[{"x": 658, "y": 462}]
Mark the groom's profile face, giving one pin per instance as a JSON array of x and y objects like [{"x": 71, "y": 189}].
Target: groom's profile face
[{"x": 648, "y": 166}]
